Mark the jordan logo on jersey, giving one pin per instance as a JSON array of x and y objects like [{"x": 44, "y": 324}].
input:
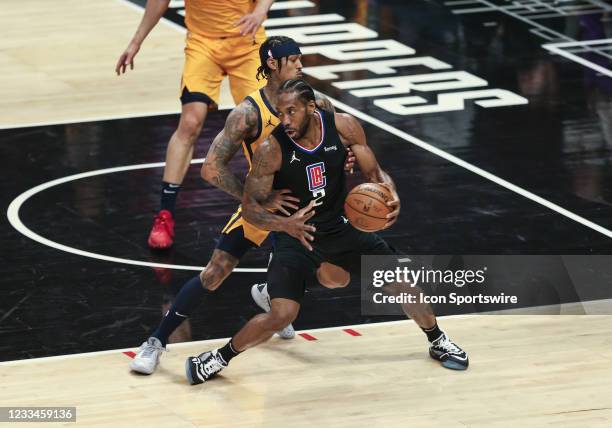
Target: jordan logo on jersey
[
  {"x": 294, "y": 158},
  {"x": 316, "y": 176}
]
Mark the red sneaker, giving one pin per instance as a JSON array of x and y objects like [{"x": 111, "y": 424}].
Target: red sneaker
[{"x": 162, "y": 233}]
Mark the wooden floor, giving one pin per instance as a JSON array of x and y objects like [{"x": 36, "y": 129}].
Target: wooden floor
[
  {"x": 525, "y": 371},
  {"x": 65, "y": 57}
]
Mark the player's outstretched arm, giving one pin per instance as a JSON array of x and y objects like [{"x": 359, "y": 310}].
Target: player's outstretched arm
[
  {"x": 240, "y": 124},
  {"x": 258, "y": 191},
  {"x": 352, "y": 134},
  {"x": 154, "y": 10}
]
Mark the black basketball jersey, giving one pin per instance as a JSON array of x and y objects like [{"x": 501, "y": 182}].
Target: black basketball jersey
[{"x": 317, "y": 173}]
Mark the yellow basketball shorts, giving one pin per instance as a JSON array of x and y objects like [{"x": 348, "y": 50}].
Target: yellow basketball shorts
[
  {"x": 238, "y": 236},
  {"x": 208, "y": 60}
]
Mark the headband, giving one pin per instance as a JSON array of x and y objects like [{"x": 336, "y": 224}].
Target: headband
[{"x": 286, "y": 49}]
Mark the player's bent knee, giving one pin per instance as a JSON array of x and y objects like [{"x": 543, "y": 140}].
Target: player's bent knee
[
  {"x": 282, "y": 314},
  {"x": 280, "y": 321},
  {"x": 219, "y": 267}
]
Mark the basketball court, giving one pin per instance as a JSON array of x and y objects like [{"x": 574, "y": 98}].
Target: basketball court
[{"x": 494, "y": 118}]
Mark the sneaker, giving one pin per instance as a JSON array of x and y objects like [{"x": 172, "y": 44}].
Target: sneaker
[
  {"x": 203, "y": 367},
  {"x": 259, "y": 292},
  {"x": 448, "y": 353},
  {"x": 147, "y": 358},
  {"x": 162, "y": 232}
]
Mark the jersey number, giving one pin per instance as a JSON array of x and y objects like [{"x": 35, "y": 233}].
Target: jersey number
[{"x": 317, "y": 181}]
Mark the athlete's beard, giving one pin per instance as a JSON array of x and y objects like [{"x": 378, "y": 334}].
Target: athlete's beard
[{"x": 301, "y": 131}]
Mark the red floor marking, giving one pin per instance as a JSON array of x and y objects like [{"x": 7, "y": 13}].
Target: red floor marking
[
  {"x": 352, "y": 332},
  {"x": 130, "y": 354},
  {"x": 307, "y": 336}
]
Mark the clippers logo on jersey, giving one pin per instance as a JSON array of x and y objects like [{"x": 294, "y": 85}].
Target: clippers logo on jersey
[{"x": 316, "y": 176}]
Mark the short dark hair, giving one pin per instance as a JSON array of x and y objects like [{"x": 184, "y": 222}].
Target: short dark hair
[
  {"x": 304, "y": 91},
  {"x": 272, "y": 41}
]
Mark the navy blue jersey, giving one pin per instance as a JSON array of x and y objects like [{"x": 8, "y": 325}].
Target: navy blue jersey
[{"x": 317, "y": 173}]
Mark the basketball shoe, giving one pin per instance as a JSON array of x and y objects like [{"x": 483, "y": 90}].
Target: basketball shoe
[
  {"x": 203, "y": 367},
  {"x": 448, "y": 353},
  {"x": 147, "y": 358},
  {"x": 162, "y": 232},
  {"x": 260, "y": 295}
]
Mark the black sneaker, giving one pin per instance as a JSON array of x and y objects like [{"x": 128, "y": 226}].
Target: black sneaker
[
  {"x": 448, "y": 353},
  {"x": 203, "y": 367}
]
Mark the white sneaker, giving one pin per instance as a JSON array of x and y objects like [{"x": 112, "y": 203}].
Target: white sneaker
[
  {"x": 147, "y": 358},
  {"x": 260, "y": 295}
]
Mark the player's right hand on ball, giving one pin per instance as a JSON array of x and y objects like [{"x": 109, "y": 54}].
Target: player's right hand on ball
[
  {"x": 297, "y": 227},
  {"x": 126, "y": 58}
]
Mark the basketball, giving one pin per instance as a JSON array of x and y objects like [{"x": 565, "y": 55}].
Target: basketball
[{"x": 366, "y": 207}]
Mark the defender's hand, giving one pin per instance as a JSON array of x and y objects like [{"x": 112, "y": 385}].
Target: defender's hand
[
  {"x": 127, "y": 58},
  {"x": 394, "y": 204},
  {"x": 349, "y": 165},
  {"x": 297, "y": 227},
  {"x": 249, "y": 24},
  {"x": 280, "y": 201}
]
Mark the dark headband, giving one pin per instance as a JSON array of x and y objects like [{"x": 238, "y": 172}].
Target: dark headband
[{"x": 286, "y": 49}]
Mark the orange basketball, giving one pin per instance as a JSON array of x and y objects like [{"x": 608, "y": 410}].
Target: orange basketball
[{"x": 366, "y": 207}]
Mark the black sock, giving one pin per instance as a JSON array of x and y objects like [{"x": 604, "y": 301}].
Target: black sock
[
  {"x": 168, "y": 196},
  {"x": 189, "y": 298},
  {"x": 432, "y": 333},
  {"x": 228, "y": 352}
]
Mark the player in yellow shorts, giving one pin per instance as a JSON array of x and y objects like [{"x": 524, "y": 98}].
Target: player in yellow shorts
[
  {"x": 223, "y": 38},
  {"x": 250, "y": 123}
]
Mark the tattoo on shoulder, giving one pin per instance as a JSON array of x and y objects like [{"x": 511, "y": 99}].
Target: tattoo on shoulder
[
  {"x": 323, "y": 102},
  {"x": 251, "y": 115},
  {"x": 242, "y": 120},
  {"x": 240, "y": 124}
]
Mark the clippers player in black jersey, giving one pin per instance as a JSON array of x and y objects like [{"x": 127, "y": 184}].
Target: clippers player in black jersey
[{"x": 306, "y": 154}]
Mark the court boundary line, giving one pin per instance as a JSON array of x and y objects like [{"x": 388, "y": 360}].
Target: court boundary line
[
  {"x": 173, "y": 346},
  {"x": 13, "y": 209},
  {"x": 558, "y": 49},
  {"x": 12, "y": 213},
  {"x": 470, "y": 167},
  {"x": 103, "y": 118}
]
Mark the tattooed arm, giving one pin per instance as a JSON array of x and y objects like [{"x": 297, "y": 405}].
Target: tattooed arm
[
  {"x": 258, "y": 190},
  {"x": 240, "y": 124}
]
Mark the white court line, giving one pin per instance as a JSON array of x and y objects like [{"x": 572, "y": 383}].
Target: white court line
[
  {"x": 277, "y": 5},
  {"x": 89, "y": 119},
  {"x": 302, "y": 19},
  {"x": 102, "y": 118},
  {"x": 203, "y": 342},
  {"x": 12, "y": 214},
  {"x": 117, "y": 116},
  {"x": 13, "y": 210},
  {"x": 459, "y": 162},
  {"x": 557, "y": 48},
  {"x": 172, "y": 346},
  {"x": 291, "y": 4}
]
